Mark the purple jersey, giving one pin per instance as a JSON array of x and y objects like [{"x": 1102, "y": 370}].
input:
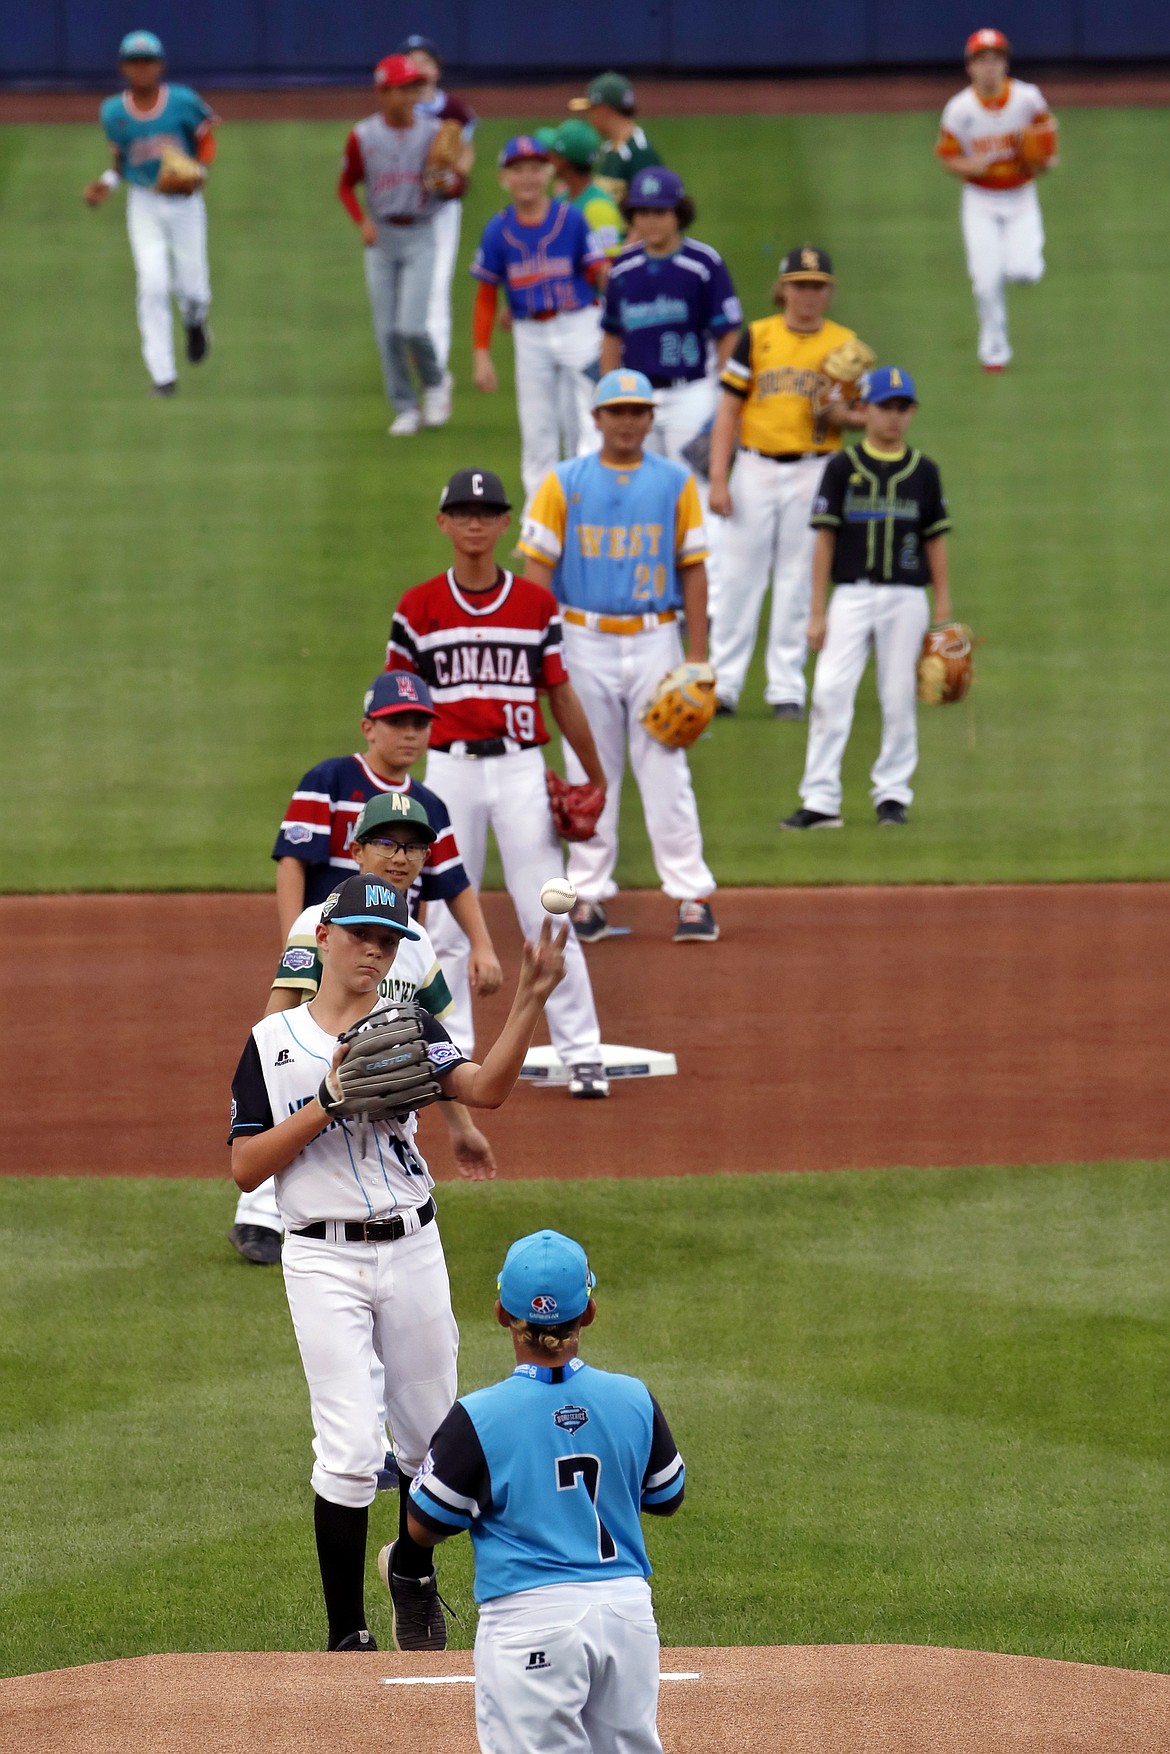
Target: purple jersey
[
  {"x": 542, "y": 267},
  {"x": 665, "y": 308}
]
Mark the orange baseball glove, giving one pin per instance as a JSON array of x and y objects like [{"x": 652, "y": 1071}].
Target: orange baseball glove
[
  {"x": 945, "y": 669},
  {"x": 1038, "y": 145}
]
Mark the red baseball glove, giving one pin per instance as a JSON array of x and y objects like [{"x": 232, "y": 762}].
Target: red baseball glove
[{"x": 575, "y": 809}]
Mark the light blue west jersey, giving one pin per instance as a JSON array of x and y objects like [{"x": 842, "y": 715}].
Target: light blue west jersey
[
  {"x": 176, "y": 120},
  {"x": 549, "y": 1471},
  {"x": 616, "y": 538}
]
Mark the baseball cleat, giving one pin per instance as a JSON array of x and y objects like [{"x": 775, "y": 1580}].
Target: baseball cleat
[
  {"x": 257, "y": 1243},
  {"x": 363, "y": 1640},
  {"x": 696, "y": 923},
  {"x": 164, "y": 389},
  {"x": 436, "y": 403},
  {"x": 724, "y": 709},
  {"x": 406, "y": 424},
  {"x": 993, "y": 368},
  {"x": 788, "y": 709},
  {"x": 198, "y": 342},
  {"x": 418, "y": 1613},
  {"x": 590, "y": 921},
  {"x": 891, "y": 814},
  {"x": 389, "y": 1479},
  {"x": 812, "y": 819},
  {"x": 589, "y": 1082}
]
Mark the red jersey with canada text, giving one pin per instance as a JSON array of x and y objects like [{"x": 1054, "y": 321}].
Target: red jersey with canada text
[{"x": 485, "y": 655}]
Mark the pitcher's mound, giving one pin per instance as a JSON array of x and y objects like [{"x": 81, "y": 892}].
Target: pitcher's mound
[{"x": 814, "y": 1699}]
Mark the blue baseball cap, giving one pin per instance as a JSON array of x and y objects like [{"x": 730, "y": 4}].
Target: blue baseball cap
[
  {"x": 655, "y": 187},
  {"x": 397, "y": 691},
  {"x": 888, "y": 383},
  {"x": 545, "y": 1279},
  {"x": 520, "y": 147},
  {"x": 428, "y": 47},
  {"x": 368, "y": 901},
  {"x": 623, "y": 386},
  {"x": 141, "y": 45}
]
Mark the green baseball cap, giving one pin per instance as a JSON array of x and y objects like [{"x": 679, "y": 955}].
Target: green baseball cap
[
  {"x": 613, "y": 89},
  {"x": 575, "y": 140},
  {"x": 391, "y": 810}
]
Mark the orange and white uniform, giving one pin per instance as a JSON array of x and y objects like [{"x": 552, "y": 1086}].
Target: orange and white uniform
[{"x": 1003, "y": 229}]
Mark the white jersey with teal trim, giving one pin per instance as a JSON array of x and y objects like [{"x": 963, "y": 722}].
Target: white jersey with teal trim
[{"x": 175, "y": 120}]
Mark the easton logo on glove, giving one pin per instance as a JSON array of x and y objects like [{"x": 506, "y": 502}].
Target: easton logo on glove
[
  {"x": 945, "y": 667},
  {"x": 682, "y": 706},
  {"x": 386, "y": 1071}
]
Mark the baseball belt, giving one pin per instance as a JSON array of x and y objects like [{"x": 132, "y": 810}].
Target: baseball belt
[
  {"x": 391, "y": 1229},
  {"x": 618, "y": 623}
]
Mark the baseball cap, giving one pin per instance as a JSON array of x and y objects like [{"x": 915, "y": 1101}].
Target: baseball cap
[
  {"x": 575, "y": 140},
  {"x": 395, "y": 70},
  {"x": 397, "y": 691},
  {"x": 141, "y": 45},
  {"x": 388, "y": 809},
  {"x": 613, "y": 89},
  {"x": 520, "y": 147},
  {"x": 623, "y": 386},
  {"x": 420, "y": 42},
  {"x": 806, "y": 263},
  {"x": 545, "y": 1279},
  {"x": 885, "y": 383},
  {"x": 475, "y": 487},
  {"x": 986, "y": 39},
  {"x": 367, "y": 901},
  {"x": 655, "y": 187}
]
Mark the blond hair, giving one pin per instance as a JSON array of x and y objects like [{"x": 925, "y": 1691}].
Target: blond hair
[{"x": 552, "y": 1338}]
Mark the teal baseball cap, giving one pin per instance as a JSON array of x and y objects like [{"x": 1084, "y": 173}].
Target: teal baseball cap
[
  {"x": 545, "y": 1279},
  {"x": 141, "y": 45},
  {"x": 623, "y": 386}
]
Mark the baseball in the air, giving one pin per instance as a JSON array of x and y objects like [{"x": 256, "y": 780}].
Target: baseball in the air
[{"x": 558, "y": 896}]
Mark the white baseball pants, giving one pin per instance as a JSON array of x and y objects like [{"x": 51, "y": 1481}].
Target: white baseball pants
[
  {"x": 767, "y": 532},
  {"x": 259, "y": 1207},
  {"x": 1003, "y": 231},
  {"x": 508, "y": 794},
  {"x": 352, "y": 1303},
  {"x": 168, "y": 240},
  {"x": 445, "y": 228},
  {"x": 568, "y": 1669},
  {"x": 680, "y": 414},
  {"x": 551, "y": 360},
  {"x": 892, "y": 619},
  {"x": 615, "y": 674}
]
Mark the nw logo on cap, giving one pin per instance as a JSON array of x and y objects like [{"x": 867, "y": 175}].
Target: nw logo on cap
[{"x": 377, "y": 895}]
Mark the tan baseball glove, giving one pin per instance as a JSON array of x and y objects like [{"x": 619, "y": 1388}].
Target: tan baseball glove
[
  {"x": 945, "y": 666},
  {"x": 386, "y": 1071},
  {"x": 441, "y": 174},
  {"x": 850, "y": 361},
  {"x": 178, "y": 173},
  {"x": 682, "y": 706},
  {"x": 1038, "y": 145}
]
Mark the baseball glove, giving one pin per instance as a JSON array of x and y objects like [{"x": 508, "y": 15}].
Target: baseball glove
[
  {"x": 386, "y": 1071},
  {"x": 945, "y": 671},
  {"x": 441, "y": 173},
  {"x": 575, "y": 809},
  {"x": 178, "y": 173},
  {"x": 682, "y": 706},
  {"x": 850, "y": 361},
  {"x": 1037, "y": 148}
]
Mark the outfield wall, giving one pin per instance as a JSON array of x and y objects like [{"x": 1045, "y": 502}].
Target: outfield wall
[{"x": 287, "y": 41}]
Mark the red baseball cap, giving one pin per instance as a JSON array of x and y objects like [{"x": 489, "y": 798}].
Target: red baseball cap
[
  {"x": 395, "y": 70},
  {"x": 986, "y": 39}
]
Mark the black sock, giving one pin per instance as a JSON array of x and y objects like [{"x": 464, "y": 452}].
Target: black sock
[
  {"x": 410, "y": 1560},
  {"x": 341, "y": 1554}
]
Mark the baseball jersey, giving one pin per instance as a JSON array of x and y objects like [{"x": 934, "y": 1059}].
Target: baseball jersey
[
  {"x": 447, "y": 108},
  {"x": 777, "y": 370},
  {"x": 178, "y": 119},
  {"x": 607, "y": 228},
  {"x": 883, "y": 509},
  {"x": 414, "y": 976},
  {"x": 665, "y": 307},
  {"x": 616, "y": 165},
  {"x": 318, "y": 827},
  {"x": 548, "y": 1471},
  {"x": 616, "y": 539},
  {"x": 280, "y": 1070},
  {"x": 390, "y": 162},
  {"x": 541, "y": 267},
  {"x": 485, "y": 655},
  {"x": 975, "y": 125}
]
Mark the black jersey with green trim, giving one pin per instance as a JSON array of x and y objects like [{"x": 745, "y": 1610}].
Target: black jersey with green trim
[{"x": 882, "y": 510}]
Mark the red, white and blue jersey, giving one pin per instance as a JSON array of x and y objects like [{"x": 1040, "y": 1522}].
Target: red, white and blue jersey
[
  {"x": 485, "y": 655},
  {"x": 541, "y": 267},
  {"x": 318, "y": 827},
  {"x": 178, "y": 119},
  {"x": 666, "y": 308}
]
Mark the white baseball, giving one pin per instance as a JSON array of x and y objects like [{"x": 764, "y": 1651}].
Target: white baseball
[{"x": 558, "y": 896}]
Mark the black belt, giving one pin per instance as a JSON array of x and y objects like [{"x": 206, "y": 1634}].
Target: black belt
[
  {"x": 479, "y": 746},
  {"x": 669, "y": 383},
  {"x": 783, "y": 456},
  {"x": 373, "y": 1229},
  {"x": 398, "y": 219}
]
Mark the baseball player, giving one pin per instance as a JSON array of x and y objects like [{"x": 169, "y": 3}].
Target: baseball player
[
  {"x": 488, "y": 643},
  {"x": 610, "y": 106},
  {"x": 788, "y": 416},
  {"x": 539, "y": 250},
  {"x": 549, "y": 1472},
  {"x": 363, "y": 1263},
  {"x": 168, "y": 232},
  {"x": 573, "y": 149},
  {"x": 388, "y": 153},
  {"x": 979, "y": 142},
  {"x": 619, "y": 537},
  {"x": 448, "y": 221},
  {"x": 880, "y": 523}
]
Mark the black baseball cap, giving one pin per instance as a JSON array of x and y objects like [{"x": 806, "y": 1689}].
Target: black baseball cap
[
  {"x": 368, "y": 901},
  {"x": 475, "y": 487},
  {"x": 807, "y": 263}
]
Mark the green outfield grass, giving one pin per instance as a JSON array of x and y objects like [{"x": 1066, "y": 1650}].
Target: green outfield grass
[
  {"x": 197, "y": 592},
  {"x": 916, "y": 1408}
]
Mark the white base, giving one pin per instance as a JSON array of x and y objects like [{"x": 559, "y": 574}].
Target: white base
[{"x": 543, "y": 1067}]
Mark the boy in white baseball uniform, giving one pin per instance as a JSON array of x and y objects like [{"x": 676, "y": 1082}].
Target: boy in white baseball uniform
[
  {"x": 880, "y": 523},
  {"x": 979, "y": 142},
  {"x": 549, "y": 1472},
  {"x": 363, "y": 1262},
  {"x": 168, "y": 233}
]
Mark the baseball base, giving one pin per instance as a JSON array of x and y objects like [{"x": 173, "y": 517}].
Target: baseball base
[{"x": 542, "y": 1067}]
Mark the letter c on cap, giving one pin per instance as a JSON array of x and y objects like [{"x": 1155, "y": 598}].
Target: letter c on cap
[{"x": 477, "y": 484}]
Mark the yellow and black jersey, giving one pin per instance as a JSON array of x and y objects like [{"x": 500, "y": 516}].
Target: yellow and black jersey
[
  {"x": 778, "y": 371},
  {"x": 883, "y": 509}
]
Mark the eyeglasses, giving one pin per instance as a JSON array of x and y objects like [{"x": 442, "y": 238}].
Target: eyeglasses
[{"x": 414, "y": 849}]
